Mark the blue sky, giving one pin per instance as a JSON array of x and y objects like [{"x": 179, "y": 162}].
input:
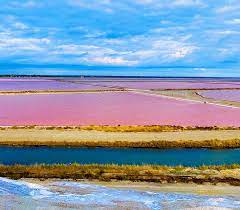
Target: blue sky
[{"x": 135, "y": 35}]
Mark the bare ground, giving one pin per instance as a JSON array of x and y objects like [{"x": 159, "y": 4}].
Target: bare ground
[
  {"x": 204, "y": 189},
  {"x": 74, "y": 135}
]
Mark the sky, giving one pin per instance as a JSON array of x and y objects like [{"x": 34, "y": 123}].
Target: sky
[{"x": 140, "y": 37}]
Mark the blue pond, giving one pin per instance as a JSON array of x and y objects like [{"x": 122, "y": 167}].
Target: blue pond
[{"x": 171, "y": 157}]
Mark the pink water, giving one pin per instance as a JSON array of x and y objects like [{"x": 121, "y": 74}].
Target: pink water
[
  {"x": 168, "y": 85},
  {"x": 111, "y": 109},
  {"x": 21, "y": 84},
  {"x": 41, "y": 83},
  {"x": 228, "y": 95}
]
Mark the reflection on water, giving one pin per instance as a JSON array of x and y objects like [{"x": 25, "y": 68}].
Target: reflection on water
[{"x": 75, "y": 195}]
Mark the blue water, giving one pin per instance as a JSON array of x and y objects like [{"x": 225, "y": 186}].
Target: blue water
[{"x": 171, "y": 157}]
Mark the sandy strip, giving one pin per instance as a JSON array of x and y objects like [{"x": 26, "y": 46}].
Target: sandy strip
[
  {"x": 41, "y": 135},
  {"x": 204, "y": 189},
  {"x": 192, "y": 188}
]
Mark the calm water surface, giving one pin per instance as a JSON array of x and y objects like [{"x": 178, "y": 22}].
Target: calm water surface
[{"x": 172, "y": 157}]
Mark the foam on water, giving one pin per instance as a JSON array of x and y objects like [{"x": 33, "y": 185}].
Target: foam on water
[{"x": 79, "y": 194}]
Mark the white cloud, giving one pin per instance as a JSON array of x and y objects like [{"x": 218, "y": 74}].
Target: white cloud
[
  {"x": 200, "y": 69},
  {"x": 103, "y": 5},
  {"x": 215, "y": 36},
  {"x": 13, "y": 24},
  {"x": 20, "y": 26},
  {"x": 130, "y": 51},
  {"x": 112, "y": 61},
  {"x": 168, "y": 31},
  {"x": 75, "y": 49},
  {"x": 188, "y": 3},
  {"x": 30, "y": 4},
  {"x": 227, "y": 32},
  {"x": 24, "y": 4},
  {"x": 145, "y": 1},
  {"x": 165, "y": 22},
  {"x": 173, "y": 49},
  {"x": 94, "y": 54},
  {"x": 110, "y": 6},
  {"x": 14, "y": 45},
  {"x": 228, "y": 8},
  {"x": 235, "y": 21},
  {"x": 182, "y": 52},
  {"x": 145, "y": 54},
  {"x": 150, "y": 48},
  {"x": 172, "y": 4},
  {"x": 159, "y": 49},
  {"x": 17, "y": 44}
]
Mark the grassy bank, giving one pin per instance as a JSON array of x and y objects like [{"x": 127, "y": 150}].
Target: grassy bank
[
  {"x": 147, "y": 173},
  {"x": 211, "y": 144},
  {"x": 123, "y": 128}
]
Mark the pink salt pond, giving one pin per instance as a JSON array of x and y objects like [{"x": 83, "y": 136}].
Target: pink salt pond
[
  {"x": 20, "y": 84},
  {"x": 111, "y": 109},
  {"x": 227, "y": 95},
  {"x": 43, "y": 84},
  {"x": 168, "y": 84}
]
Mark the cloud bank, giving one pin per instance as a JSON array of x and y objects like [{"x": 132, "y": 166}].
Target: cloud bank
[{"x": 133, "y": 33}]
